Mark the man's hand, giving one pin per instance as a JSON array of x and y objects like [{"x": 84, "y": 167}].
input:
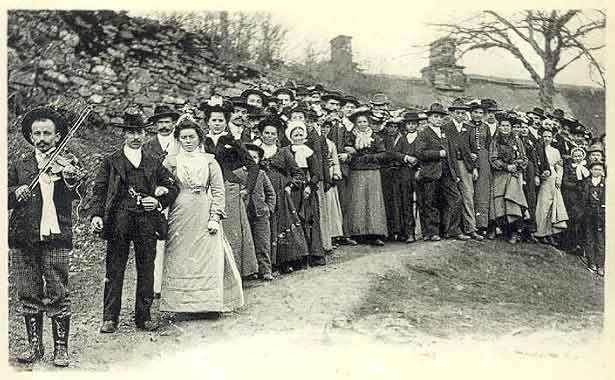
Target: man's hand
[
  {"x": 350, "y": 150},
  {"x": 512, "y": 168},
  {"x": 96, "y": 225},
  {"x": 443, "y": 153},
  {"x": 474, "y": 174},
  {"x": 149, "y": 203},
  {"x": 558, "y": 184},
  {"x": 474, "y": 156},
  {"x": 306, "y": 192},
  {"x": 537, "y": 180},
  {"x": 342, "y": 157},
  {"x": 336, "y": 177},
  {"x": 244, "y": 194},
  {"x": 288, "y": 189},
  {"x": 22, "y": 193}
]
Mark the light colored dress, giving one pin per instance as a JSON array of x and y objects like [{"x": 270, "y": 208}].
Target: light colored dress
[
  {"x": 332, "y": 199},
  {"x": 551, "y": 215},
  {"x": 200, "y": 274}
]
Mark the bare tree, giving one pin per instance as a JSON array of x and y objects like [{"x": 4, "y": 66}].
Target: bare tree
[
  {"x": 238, "y": 36},
  {"x": 557, "y": 38}
]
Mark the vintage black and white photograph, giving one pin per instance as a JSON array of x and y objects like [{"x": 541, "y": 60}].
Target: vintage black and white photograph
[{"x": 343, "y": 189}]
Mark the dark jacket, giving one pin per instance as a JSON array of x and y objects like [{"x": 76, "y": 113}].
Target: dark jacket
[
  {"x": 262, "y": 200},
  {"x": 24, "y": 226},
  {"x": 370, "y": 158},
  {"x": 111, "y": 175},
  {"x": 231, "y": 154},
  {"x": 594, "y": 206},
  {"x": 400, "y": 149},
  {"x": 428, "y": 147},
  {"x": 341, "y": 137},
  {"x": 461, "y": 142},
  {"x": 153, "y": 147}
]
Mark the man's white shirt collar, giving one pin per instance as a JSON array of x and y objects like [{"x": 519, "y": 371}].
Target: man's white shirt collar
[{"x": 133, "y": 155}]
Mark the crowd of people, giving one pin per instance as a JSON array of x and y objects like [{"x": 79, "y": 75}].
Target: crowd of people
[{"x": 264, "y": 184}]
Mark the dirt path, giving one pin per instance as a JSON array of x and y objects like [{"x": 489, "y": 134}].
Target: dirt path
[{"x": 356, "y": 314}]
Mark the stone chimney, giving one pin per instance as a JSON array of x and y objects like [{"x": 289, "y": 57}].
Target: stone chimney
[
  {"x": 443, "y": 72},
  {"x": 341, "y": 54}
]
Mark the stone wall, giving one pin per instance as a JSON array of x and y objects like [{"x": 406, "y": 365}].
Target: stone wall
[{"x": 111, "y": 61}]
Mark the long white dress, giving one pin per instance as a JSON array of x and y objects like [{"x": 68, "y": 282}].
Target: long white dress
[
  {"x": 551, "y": 215},
  {"x": 200, "y": 274}
]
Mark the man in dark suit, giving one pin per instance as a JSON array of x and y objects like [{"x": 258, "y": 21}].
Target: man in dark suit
[
  {"x": 466, "y": 159},
  {"x": 163, "y": 145},
  {"x": 40, "y": 233},
  {"x": 124, "y": 210},
  {"x": 438, "y": 192}
]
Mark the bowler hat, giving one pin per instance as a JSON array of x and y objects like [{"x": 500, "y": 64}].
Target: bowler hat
[
  {"x": 411, "y": 117},
  {"x": 239, "y": 101},
  {"x": 596, "y": 147},
  {"x": 379, "y": 99},
  {"x": 490, "y": 105},
  {"x": 436, "y": 108},
  {"x": 538, "y": 112},
  {"x": 332, "y": 95},
  {"x": 557, "y": 113},
  {"x": 163, "y": 111},
  {"x": 458, "y": 104},
  {"x": 43, "y": 112},
  {"x": 133, "y": 120},
  {"x": 254, "y": 91},
  {"x": 351, "y": 99}
]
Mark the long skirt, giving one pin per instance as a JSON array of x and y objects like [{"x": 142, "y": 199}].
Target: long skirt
[
  {"x": 325, "y": 223},
  {"x": 483, "y": 197},
  {"x": 237, "y": 229},
  {"x": 367, "y": 214},
  {"x": 551, "y": 215},
  {"x": 335, "y": 216},
  {"x": 200, "y": 274},
  {"x": 344, "y": 193},
  {"x": 287, "y": 238},
  {"x": 508, "y": 197}
]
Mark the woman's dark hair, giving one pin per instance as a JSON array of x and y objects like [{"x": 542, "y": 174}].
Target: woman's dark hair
[
  {"x": 227, "y": 115},
  {"x": 188, "y": 124},
  {"x": 543, "y": 130}
]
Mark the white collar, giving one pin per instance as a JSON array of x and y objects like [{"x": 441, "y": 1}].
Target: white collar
[
  {"x": 133, "y": 155},
  {"x": 270, "y": 150},
  {"x": 215, "y": 138},
  {"x": 596, "y": 180},
  {"x": 437, "y": 130}
]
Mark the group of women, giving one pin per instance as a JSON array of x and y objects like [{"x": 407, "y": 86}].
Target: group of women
[{"x": 342, "y": 173}]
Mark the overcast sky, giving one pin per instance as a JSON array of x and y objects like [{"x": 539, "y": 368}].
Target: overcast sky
[
  {"x": 384, "y": 31},
  {"x": 382, "y": 40}
]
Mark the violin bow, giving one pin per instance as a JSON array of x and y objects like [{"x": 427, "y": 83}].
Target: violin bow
[{"x": 85, "y": 113}]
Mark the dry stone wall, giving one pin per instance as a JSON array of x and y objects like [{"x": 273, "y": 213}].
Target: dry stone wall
[{"x": 112, "y": 61}]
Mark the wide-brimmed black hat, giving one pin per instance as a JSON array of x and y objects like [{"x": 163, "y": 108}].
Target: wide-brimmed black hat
[
  {"x": 436, "y": 108},
  {"x": 273, "y": 121},
  {"x": 132, "y": 121},
  {"x": 490, "y": 105},
  {"x": 351, "y": 99},
  {"x": 301, "y": 107},
  {"x": 557, "y": 114},
  {"x": 538, "y": 112},
  {"x": 43, "y": 112},
  {"x": 411, "y": 117},
  {"x": 239, "y": 101},
  {"x": 163, "y": 111},
  {"x": 332, "y": 95},
  {"x": 458, "y": 104},
  {"x": 507, "y": 116},
  {"x": 216, "y": 105},
  {"x": 254, "y": 91},
  {"x": 361, "y": 111},
  {"x": 284, "y": 90},
  {"x": 319, "y": 88},
  {"x": 475, "y": 104},
  {"x": 256, "y": 148}
]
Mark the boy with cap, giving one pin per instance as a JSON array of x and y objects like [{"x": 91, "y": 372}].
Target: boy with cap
[
  {"x": 260, "y": 205},
  {"x": 124, "y": 210},
  {"x": 595, "y": 209}
]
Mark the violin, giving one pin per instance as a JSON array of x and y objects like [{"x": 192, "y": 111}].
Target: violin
[{"x": 67, "y": 164}]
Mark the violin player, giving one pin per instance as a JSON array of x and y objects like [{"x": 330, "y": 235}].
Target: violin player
[
  {"x": 126, "y": 209},
  {"x": 40, "y": 231}
]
